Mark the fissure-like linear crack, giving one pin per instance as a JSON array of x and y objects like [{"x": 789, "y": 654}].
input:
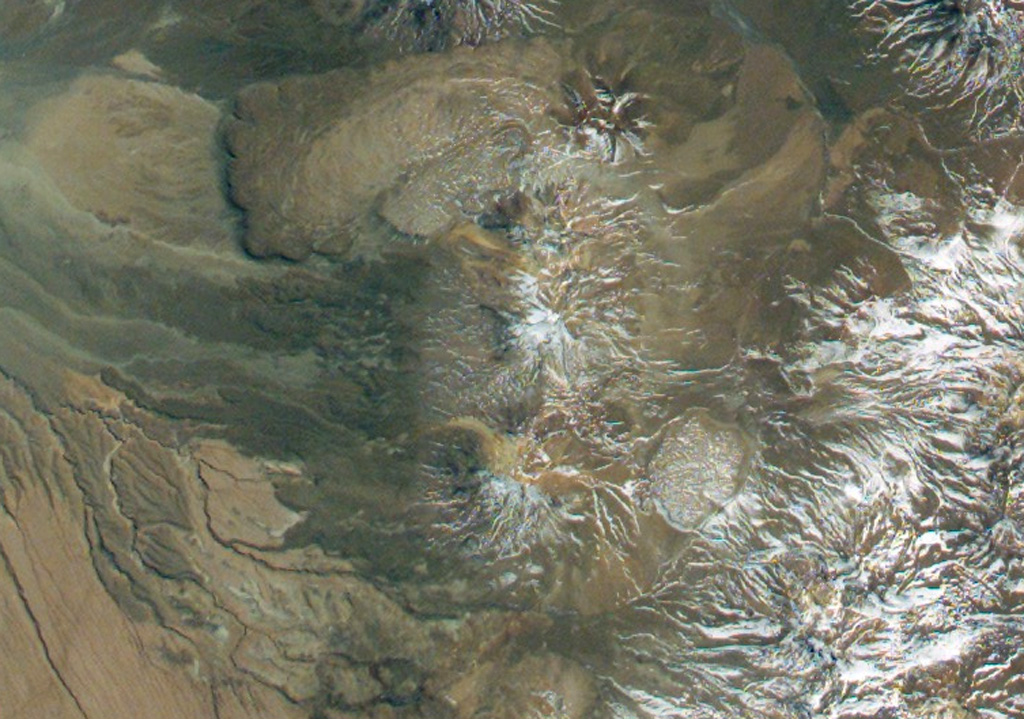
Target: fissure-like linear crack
[{"x": 22, "y": 595}]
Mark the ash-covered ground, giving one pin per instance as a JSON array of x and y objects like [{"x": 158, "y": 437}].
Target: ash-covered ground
[{"x": 581, "y": 360}]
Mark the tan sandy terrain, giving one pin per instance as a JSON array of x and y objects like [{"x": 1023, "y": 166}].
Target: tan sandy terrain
[
  {"x": 143, "y": 569},
  {"x": 537, "y": 380}
]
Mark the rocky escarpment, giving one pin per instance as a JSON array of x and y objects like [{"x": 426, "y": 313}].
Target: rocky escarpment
[
  {"x": 145, "y": 570},
  {"x": 165, "y": 389},
  {"x": 126, "y": 557},
  {"x": 608, "y": 375}
]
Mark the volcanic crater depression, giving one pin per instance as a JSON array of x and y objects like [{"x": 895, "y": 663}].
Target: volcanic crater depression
[{"x": 459, "y": 359}]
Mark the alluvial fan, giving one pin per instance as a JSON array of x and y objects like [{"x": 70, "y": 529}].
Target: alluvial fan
[
  {"x": 818, "y": 517},
  {"x": 956, "y": 52},
  {"x": 601, "y": 386}
]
